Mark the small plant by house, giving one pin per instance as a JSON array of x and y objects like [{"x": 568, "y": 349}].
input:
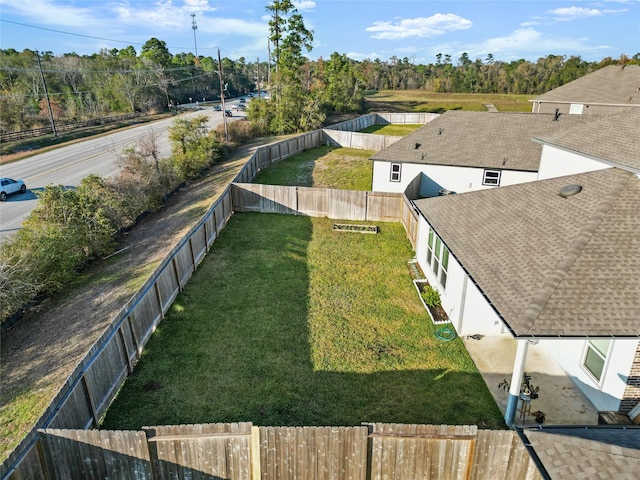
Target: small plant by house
[
  {"x": 538, "y": 416},
  {"x": 431, "y": 296},
  {"x": 528, "y": 391}
]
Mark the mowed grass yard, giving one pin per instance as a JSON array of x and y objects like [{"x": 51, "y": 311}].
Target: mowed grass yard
[{"x": 287, "y": 322}]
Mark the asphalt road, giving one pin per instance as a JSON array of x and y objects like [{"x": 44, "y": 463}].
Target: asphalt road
[{"x": 70, "y": 164}]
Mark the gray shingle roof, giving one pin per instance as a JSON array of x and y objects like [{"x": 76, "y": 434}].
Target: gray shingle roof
[
  {"x": 587, "y": 453},
  {"x": 551, "y": 266},
  {"x": 614, "y": 138},
  {"x": 611, "y": 85},
  {"x": 479, "y": 139}
]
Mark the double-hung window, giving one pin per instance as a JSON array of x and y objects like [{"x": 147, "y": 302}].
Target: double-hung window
[
  {"x": 491, "y": 177},
  {"x": 395, "y": 172},
  {"x": 438, "y": 257},
  {"x": 595, "y": 356}
]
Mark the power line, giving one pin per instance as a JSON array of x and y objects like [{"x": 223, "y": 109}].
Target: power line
[
  {"x": 91, "y": 36},
  {"x": 184, "y": 49}
]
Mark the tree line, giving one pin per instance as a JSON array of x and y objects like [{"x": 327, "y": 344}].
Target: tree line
[{"x": 154, "y": 80}]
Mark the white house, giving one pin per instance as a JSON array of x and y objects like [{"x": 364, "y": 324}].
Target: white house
[
  {"x": 553, "y": 260},
  {"x": 465, "y": 151}
]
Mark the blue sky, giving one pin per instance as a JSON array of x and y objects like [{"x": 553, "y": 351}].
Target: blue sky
[{"x": 415, "y": 29}]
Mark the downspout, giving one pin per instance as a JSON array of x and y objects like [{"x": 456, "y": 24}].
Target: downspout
[
  {"x": 463, "y": 299},
  {"x": 516, "y": 381}
]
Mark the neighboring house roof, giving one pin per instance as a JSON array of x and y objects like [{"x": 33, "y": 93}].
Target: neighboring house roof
[
  {"x": 603, "y": 452},
  {"x": 551, "y": 266},
  {"x": 614, "y": 139},
  {"x": 611, "y": 85},
  {"x": 479, "y": 139}
]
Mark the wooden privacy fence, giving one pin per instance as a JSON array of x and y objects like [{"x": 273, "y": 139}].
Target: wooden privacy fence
[
  {"x": 91, "y": 387},
  {"x": 241, "y": 451},
  {"x": 326, "y": 202}
]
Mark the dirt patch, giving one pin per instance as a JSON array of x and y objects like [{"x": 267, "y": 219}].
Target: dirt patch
[{"x": 41, "y": 350}]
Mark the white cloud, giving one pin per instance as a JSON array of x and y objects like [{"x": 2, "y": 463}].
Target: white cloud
[
  {"x": 49, "y": 12},
  {"x": 572, "y": 13},
  {"x": 527, "y": 43},
  {"x": 305, "y": 5},
  {"x": 420, "y": 27}
]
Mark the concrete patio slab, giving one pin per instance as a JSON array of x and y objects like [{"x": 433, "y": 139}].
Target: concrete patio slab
[{"x": 559, "y": 397}]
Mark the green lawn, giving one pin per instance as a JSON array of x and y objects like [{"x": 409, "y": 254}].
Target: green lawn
[
  {"x": 327, "y": 167},
  {"x": 398, "y": 130},
  {"x": 287, "y": 322}
]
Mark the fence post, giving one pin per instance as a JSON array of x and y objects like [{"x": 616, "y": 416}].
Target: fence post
[
  {"x": 123, "y": 342},
  {"x": 255, "y": 453},
  {"x": 90, "y": 401}
]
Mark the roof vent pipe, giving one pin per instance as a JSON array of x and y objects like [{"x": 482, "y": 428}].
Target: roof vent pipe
[
  {"x": 570, "y": 190},
  {"x": 557, "y": 115}
]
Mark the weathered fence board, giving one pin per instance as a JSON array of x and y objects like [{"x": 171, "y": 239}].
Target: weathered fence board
[
  {"x": 409, "y": 218},
  {"x": 93, "y": 454},
  {"x": 421, "y": 451},
  {"x": 313, "y": 453},
  {"x": 313, "y": 201},
  {"x": 240, "y": 451},
  {"x": 201, "y": 452},
  {"x": 359, "y": 141},
  {"x": 321, "y": 202},
  {"x": 167, "y": 286},
  {"x": 384, "y": 206},
  {"x": 105, "y": 375},
  {"x": 145, "y": 316}
]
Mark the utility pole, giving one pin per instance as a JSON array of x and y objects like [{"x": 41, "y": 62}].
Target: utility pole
[
  {"x": 258, "y": 75},
  {"x": 224, "y": 111},
  {"x": 46, "y": 94},
  {"x": 195, "y": 27}
]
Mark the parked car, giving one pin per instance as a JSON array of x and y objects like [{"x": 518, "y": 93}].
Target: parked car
[
  {"x": 217, "y": 108},
  {"x": 242, "y": 107},
  {"x": 9, "y": 186},
  {"x": 228, "y": 113}
]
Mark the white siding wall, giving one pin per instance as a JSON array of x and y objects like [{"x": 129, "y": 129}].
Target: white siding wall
[
  {"x": 555, "y": 162},
  {"x": 569, "y": 353},
  {"x": 438, "y": 177},
  {"x": 467, "y": 308}
]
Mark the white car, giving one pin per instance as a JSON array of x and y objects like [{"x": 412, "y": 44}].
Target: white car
[{"x": 9, "y": 186}]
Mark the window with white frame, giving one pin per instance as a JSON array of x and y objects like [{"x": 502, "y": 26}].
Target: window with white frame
[
  {"x": 438, "y": 257},
  {"x": 596, "y": 356},
  {"x": 491, "y": 177},
  {"x": 395, "y": 172}
]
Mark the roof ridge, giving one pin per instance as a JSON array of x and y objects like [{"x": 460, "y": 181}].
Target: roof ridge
[{"x": 557, "y": 275}]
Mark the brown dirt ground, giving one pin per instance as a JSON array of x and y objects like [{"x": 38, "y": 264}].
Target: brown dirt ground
[{"x": 41, "y": 350}]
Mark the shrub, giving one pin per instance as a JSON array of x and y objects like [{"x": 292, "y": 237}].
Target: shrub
[{"x": 430, "y": 296}]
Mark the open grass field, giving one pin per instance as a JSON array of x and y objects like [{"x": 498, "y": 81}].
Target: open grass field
[
  {"x": 287, "y": 322},
  {"x": 423, "y": 101}
]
